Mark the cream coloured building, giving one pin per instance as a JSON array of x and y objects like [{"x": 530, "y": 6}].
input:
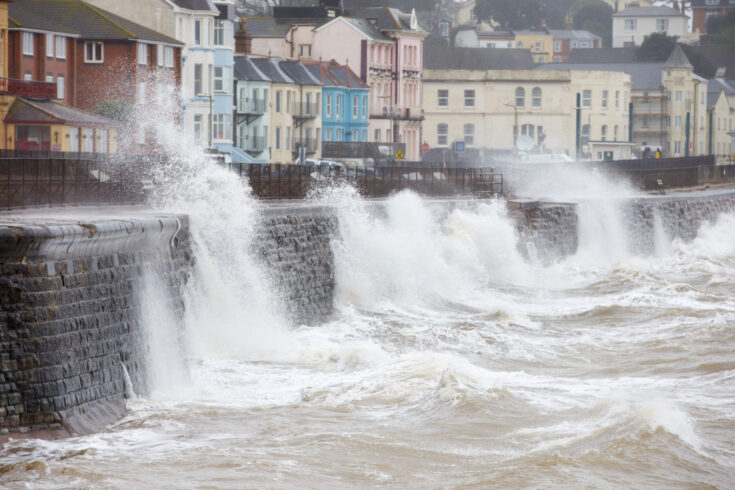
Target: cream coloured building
[
  {"x": 631, "y": 26},
  {"x": 490, "y": 109}
]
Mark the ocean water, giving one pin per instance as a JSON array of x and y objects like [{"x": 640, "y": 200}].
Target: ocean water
[{"x": 452, "y": 361}]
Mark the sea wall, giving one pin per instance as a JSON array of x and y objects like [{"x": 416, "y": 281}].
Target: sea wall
[
  {"x": 71, "y": 335},
  {"x": 546, "y": 231}
]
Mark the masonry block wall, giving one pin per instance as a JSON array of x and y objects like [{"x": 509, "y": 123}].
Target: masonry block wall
[{"x": 71, "y": 332}]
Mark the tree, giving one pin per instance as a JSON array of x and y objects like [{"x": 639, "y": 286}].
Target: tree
[
  {"x": 517, "y": 14},
  {"x": 721, "y": 28},
  {"x": 656, "y": 47},
  {"x": 595, "y": 17}
]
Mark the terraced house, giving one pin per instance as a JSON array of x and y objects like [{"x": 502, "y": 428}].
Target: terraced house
[{"x": 94, "y": 57}]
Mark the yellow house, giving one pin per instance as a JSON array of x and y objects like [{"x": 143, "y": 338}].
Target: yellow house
[{"x": 540, "y": 43}]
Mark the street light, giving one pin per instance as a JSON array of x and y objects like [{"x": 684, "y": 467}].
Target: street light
[{"x": 211, "y": 116}]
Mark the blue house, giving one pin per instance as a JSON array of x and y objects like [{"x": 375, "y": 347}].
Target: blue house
[{"x": 345, "y": 99}]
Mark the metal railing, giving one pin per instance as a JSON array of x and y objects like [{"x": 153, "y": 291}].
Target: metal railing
[
  {"x": 311, "y": 145},
  {"x": 29, "y": 88},
  {"x": 251, "y": 106},
  {"x": 296, "y": 181},
  {"x": 304, "y": 109}
]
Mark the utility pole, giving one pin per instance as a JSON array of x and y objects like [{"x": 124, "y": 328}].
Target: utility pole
[{"x": 579, "y": 125}]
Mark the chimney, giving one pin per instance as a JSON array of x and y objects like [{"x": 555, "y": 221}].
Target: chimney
[{"x": 243, "y": 39}]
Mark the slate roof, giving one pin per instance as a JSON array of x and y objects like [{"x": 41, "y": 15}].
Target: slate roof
[
  {"x": 53, "y": 112},
  {"x": 677, "y": 59},
  {"x": 367, "y": 28},
  {"x": 245, "y": 69},
  {"x": 602, "y": 55},
  {"x": 276, "y": 27},
  {"x": 270, "y": 68},
  {"x": 715, "y": 86},
  {"x": 320, "y": 71},
  {"x": 559, "y": 34},
  {"x": 82, "y": 19},
  {"x": 296, "y": 71},
  {"x": 205, "y": 5},
  {"x": 388, "y": 18},
  {"x": 649, "y": 12},
  {"x": 446, "y": 58},
  {"x": 346, "y": 76},
  {"x": 644, "y": 76}
]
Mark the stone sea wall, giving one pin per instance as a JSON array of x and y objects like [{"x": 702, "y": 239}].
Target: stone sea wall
[
  {"x": 546, "y": 231},
  {"x": 71, "y": 334}
]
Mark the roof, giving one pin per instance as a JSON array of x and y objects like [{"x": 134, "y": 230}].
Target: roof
[
  {"x": 367, "y": 28},
  {"x": 334, "y": 75},
  {"x": 715, "y": 87},
  {"x": 298, "y": 73},
  {"x": 82, "y": 19},
  {"x": 495, "y": 34},
  {"x": 276, "y": 27},
  {"x": 270, "y": 68},
  {"x": 245, "y": 69},
  {"x": 389, "y": 19},
  {"x": 319, "y": 70},
  {"x": 603, "y": 55},
  {"x": 649, "y": 12},
  {"x": 53, "y": 112},
  {"x": 644, "y": 76},
  {"x": 443, "y": 58},
  {"x": 678, "y": 59},
  {"x": 579, "y": 35},
  {"x": 346, "y": 76},
  {"x": 205, "y": 5}
]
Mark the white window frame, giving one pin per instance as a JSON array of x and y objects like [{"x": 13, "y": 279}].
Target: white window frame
[
  {"x": 329, "y": 105},
  {"x": 60, "y": 87},
  {"x": 536, "y": 96},
  {"x": 662, "y": 25},
  {"x": 27, "y": 43},
  {"x": 142, "y": 54},
  {"x": 60, "y": 47},
  {"x": 442, "y": 134},
  {"x": 631, "y": 25},
  {"x": 604, "y": 98},
  {"x": 219, "y": 80},
  {"x": 442, "y": 98},
  {"x": 557, "y": 46},
  {"x": 355, "y": 106},
  {"x": 468, "y": 132},
  {"x": 101, "y": 53},
  {"x": 469, "y": 96},
  {"x": 159, "y": 54},
  {"x": 49, "y": 45},
  {"x": 520, "y": 96},
  {"x": 219, "y": 32},
  {"x": 586, "y": 98},
  {"x": 168, "y": 57}
]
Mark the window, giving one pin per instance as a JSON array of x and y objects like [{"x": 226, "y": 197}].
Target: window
[
  {"x": 198, "y": 128},
  {"x": 28, "y": 43},
  {"x": 677, "y": 146},
  {"x": 168, "y": 56},
  {"x": 557, "y": 46},
  {"x": 338, "y": 106},
  {"x": 101, "y": 141},
  {"x": 469, "y": 134},
  {"x": 377, "y": 135},
  {"x": 444, "y": 29},
  {"x": 278, "y": 138},
  {"x": 278, "y": 101},
  {"x": 662, "y": 25},
  {"x": 442, "y": 134},
  {"x": 617, "y": 98},
  {"x": 364, "y": 134},
  {"x": 364, "y": 108},
  {"x": 50, "y": 45},
  {"x": 604, "y": 98},
  {"x": 538, "y": 47},
  {"x": 60, "y": 91},
  {"x": 142, "y": 54},
  {"x": 288, "y": 137},
  {"x": 93, "y": 52},
  {"x": 198, "y": 32},
  {"x": 631, "y": 25},
  {"x": 644, "y": 122},
  {"x": 585, "y": 134},
  {"x": 469, "y": 98},
  {"x": 586, "y": 98},
  {"x": 520, "y": 97},
  {"x": 678, "y": 96},
  {"x": 27, "y": 76},
  {"x": 442, "y": 99},
  {"x": 328, "y": 134},
  {"x": 219, "y": 32},
  {"x": 159, "y": 54},
  {"x": 677, "y": 121},
  {"x": 219, "y": 82},
  {"x": 329, "y": 105},
  {"x": 49, "y": 78},
  {"x": 527, "y": 130},
  {"x": 220, "y": 126},
  {"x": 304, "y": 50},
  {"x": 355, "y": 106},
  {"x": 536, "y": 97},
  {"x": 603, "y": 132},
  {"x": 60, "y": 47},
  {"x": 337, "y": 134},
  {"x": 197, "y": 79}
]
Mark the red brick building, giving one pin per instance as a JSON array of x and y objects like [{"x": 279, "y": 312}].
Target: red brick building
[
  {"x": 92, "y": 55},
  {"x": 703, "y": 9}
]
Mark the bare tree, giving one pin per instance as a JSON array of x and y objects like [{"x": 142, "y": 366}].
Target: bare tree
[{"x": 265, "y": 7}]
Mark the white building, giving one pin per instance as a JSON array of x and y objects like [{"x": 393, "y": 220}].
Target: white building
[{"x": 631, "y": 26}]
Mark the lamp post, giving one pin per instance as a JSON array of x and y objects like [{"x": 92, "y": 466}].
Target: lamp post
[{"x": 211, "y": 117}]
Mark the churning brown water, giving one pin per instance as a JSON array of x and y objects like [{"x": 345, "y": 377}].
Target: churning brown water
[{"x": 452, "y": 362}]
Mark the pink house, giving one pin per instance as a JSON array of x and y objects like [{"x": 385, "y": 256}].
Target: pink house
[{"x": 384, "y": 46}]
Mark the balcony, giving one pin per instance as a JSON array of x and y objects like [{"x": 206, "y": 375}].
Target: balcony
[
  {"x": 361, "y": 149},
  {"x": 414, "y": 114},
  {"x": 386, "y": 113},
  {"x": 254, "y": 144},
  {"x": 249, "y": 110},
  {"x": 311, "y": 146},
  {"x": 27, "y": 88},
  {"x": 304, "y": 112}
]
